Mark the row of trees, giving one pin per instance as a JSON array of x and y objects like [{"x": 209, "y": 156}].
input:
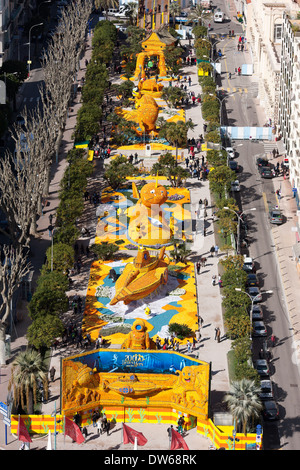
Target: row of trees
[{"x": 25, "y": 173}]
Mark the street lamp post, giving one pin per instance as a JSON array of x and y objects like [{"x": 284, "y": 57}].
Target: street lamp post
[
  {"x": 29, "y": 43},
  {"x": 239, "y": 216},
  {"x": 252, "y": 304}
]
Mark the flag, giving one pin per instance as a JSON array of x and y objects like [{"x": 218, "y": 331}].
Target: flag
[
  {"x": 49, "y": 445},
  {"x": 177, "y": 441},
  {"x": 23, "y": 434},
  {"x": 129, "y": 434},
  {"x": 73, "y": 431}
]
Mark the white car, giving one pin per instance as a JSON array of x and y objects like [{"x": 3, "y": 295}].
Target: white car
[
  {"x": 230, "y": 152},
  {"x": 235, "y": 186}
]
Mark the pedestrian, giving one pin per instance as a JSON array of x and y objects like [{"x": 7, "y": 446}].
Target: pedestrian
[
  {"x": 273, "y": 340},
  {"x": 50, "y": 218},
  {"x": 213, "y": 280},
  {"x": 169, "y": 431},
  {"x": 201, "y": 321},
  {"x": 220, "y": 281},
  {"x": 95, "y": 417},
  {"x": 194, "y": 343},
  {"x": 190, "y": 81},
  {"x": 216, "y": 250},
  {"x": 218, "y": 335},
  {"x": 212, "y": 251},
  {"x": 198, "y": 265},
  {"x": 180, "y": 424},
  {"x": 85, "y": 432},
  {"x": 242, "y": 47},
  {"x": 50, "y": 228},
  {"x": 52, "y": 373},
  {"x": 107, "y": 427},
  {"x": 99, "y": 426},
  {"x": 198, "y": 336},
  {"x": 188, "y": 346},
  {"x": 238, "y": 46},
  {"x": 217, "y": 329}
]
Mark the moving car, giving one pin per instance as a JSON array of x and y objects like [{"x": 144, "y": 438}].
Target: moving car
[
  {"x": 219, "y": 17},
  {"x": 230, "y": 152},
  {"x": 262, "y": 162},
  {"x": 261, "y": 365},
  {"x": 235, "y": 186},
  {"x": 255, "y": 294},
  {"x": 270, "y": 410},
  {"x": 252, "y": 280},
  {"x": 266, "y": 388},
  {"x": 257, "y": 313},
  {"x": 276, "y": 216},
  {"x": 266, "y": 172},
  {"x": 233, "y": 166},
  {"x": 259, "y": 328}
]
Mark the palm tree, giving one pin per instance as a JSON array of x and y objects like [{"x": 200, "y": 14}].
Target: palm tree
[
  {"x": 28, "y": 371},
  {"x": 106, "y": 4},
  {"x": 175, "y": 10},
  {"x": 196, "y": 14},
  {"x": 243, "y": 401},
  {"x": 176, "y": 133},
  {"x": 131, "y": 12}
]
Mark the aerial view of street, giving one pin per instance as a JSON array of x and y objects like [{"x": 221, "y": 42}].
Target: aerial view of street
[{"x": 149, "y": 227}]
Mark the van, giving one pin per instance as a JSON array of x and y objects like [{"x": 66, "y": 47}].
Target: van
[{"x": 219, "y": 17}]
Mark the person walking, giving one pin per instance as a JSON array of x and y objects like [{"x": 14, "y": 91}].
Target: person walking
[
  {"x": 212, "y": 251},
  {"x": 169, "y": 431},
  {"x": 216, "y": 250},
  {"x": 217, "y": 329},
  {"x": 198, "y": 265},
  {"x": 52, "y": 373},
  {"x": 180, "y": 424}
]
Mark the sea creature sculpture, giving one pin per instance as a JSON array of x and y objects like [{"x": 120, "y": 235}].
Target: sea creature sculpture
[{"x": 141, "y": 278}]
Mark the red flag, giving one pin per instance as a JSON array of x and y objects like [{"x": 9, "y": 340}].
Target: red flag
[
  {"x": 23, "y": 433},
  {"x": 177, "y": 441},
  {"x": 73, "y": 431},
  {"x": 129, "y": 434}
]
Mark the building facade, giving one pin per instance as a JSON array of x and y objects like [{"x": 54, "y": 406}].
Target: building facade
[
  {"x": 263, "y": 32},
  {"x": 289, "y": 107}
]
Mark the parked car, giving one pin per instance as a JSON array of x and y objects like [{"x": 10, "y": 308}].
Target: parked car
[
  {"x": 248, "y": 265},
  {"x": 270, "y": 410},
  {"x": 233, "y": 166},
  {"x": 266, "y": 172},
  {"x": 235, "y": 186},
  {"x": 252, "y": 280},
  {"x": 255, "y": 294},
  {"x": 20, "y": 121},
  {"x": 259, "y": 328},
  {"x": 230, "y": 152},
  {"x": 262, "y": 162},
  {"x": 266, "y": 390},
  {"x": 257, "y": 313},
  {"x": 276, "y": 216},
  {"x": 262, "y": 367}
]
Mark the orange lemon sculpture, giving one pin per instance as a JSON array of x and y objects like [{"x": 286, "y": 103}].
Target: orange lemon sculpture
[
  {"x": 142, "y": 277},
  {"x": 147, "y": 225}
]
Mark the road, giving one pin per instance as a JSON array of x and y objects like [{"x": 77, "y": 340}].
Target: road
[{"x": 241, "y": 109}]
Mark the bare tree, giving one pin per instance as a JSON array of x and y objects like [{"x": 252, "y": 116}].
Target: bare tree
[{"x": 12, "y": 269}]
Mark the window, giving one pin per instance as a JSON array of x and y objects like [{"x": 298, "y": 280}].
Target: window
[{"x": 277, "y": 32}]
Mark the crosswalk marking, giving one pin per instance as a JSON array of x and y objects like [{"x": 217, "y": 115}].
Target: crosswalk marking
[{"x": 233, "y": 90}]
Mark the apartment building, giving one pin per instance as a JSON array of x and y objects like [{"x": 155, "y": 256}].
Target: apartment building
[
  {"x": 289, "y": 106},
  {"x": 264, "y": 22},
  {"x": 13, "y": 14}
]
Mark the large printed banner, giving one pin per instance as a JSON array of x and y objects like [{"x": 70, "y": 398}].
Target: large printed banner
[
  {"x": 247, "y": 133},
  {"x": 125, "y": 361}
]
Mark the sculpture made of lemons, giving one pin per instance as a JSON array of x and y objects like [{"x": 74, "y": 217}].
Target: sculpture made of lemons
[
  {"x": 147, "y": 225},
  {"x": 147, "y": 113},
  {"x": 138, "y": 338},
  {"x": 142, "y": 277},
  {"x": 150, "y": 86}
]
